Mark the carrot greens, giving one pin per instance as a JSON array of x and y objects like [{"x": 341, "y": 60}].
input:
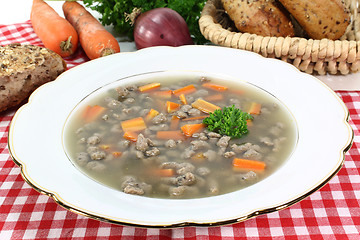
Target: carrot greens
[{"x": 228, "y": 121}]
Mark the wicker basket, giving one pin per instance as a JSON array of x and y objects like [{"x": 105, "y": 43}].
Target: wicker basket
[{"x": 309, "y": 55}]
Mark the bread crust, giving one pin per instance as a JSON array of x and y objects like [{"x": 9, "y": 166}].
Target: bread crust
[
  {"x": 320, "y": 18},
  {"x": 261, "y": 17},
  {"x": 23, "y": 68}
]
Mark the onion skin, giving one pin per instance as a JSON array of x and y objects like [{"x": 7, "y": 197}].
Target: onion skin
[{"x": 161, "y": 27}]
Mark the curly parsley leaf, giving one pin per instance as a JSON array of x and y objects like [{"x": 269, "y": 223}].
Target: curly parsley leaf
[
  {"x": 229, "y": 121},
  {"x": 114, "y": 12}
]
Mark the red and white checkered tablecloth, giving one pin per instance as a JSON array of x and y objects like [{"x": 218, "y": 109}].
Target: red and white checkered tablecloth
[{"x": 333, "y": 212}]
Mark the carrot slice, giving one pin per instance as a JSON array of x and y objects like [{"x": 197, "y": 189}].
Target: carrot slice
[
  {"x": 85, "y": 112},
  {"x": 190, "y": 129},
  {"x": 204, "y": 106},
  {"x": 198, "y": 157},
  {"x": 133, "y": 125},
  {"x": 166, "y": 172},
  {"x": 91, "y": 113},
  {"x": 246, "y": 164},
  {"x": 105, "y": 147},
  {"x": 152, "y": 113},
  {"x": 116, "y": 154},
  {"x": 216, "y": 87},
  {"x": 164, "y": 94},
  {"x": 237, "y": 91},
  {"x": 131, "y": 136},
  {"x": 183, "y": 99},
  {"x": 148, "y": 87},
  {"x": 184, "y": 90},
  {"x": 214, "y": 98},
  {"x": 175, "y": 135},
  {"x": 255, "y": 108},
  {"x": 174, "y": 123},
  {"x": 171, "y": 106}
]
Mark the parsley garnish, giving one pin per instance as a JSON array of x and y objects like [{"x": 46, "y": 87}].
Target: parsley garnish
[
  {"x": 113, "y": 12},
  {"x": 229, "y": 121}
]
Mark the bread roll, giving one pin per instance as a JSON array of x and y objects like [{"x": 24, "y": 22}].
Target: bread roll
[
  {"x": 23, "y": 68},
  {"x": 320, "y": 18},
  {"x": 262, "y": 17}
]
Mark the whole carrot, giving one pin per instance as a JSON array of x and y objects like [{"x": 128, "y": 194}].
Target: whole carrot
[
  {"x": 94, "y": 38},
  {"x": 56, "y": 33}
]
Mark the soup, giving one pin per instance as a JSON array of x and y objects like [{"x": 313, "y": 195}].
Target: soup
[{"x": 156, "y": 137}]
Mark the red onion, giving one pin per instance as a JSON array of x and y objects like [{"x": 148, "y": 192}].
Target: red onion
[{"x": 161, "y": 27}]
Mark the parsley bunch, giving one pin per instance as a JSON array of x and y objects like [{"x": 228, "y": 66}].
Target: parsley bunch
[
  {"x": 114, "y": 12},
  {"x": 229, "y": 121}
]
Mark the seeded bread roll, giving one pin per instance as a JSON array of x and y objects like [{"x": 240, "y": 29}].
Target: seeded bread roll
[
  {"x": 261, "y": 17},
  {"x": 320, "y": 18},
  {"x": 23, "y": 68}
]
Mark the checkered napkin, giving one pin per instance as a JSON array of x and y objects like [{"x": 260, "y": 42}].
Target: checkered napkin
[{"x": 333, "y": 212}]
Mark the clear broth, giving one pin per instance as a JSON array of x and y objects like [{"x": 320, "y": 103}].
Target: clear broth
[{"x": 274, "y": 131}]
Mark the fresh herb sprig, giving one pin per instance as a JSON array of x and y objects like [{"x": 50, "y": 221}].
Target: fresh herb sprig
[
  {"x": 115, "y": 12},
  {"x": 229, "y": 121}
]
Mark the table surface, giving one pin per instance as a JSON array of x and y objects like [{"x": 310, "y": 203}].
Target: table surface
[{"x": 333, "y": 212}]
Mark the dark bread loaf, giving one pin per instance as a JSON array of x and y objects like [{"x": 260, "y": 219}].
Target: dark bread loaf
[
  {"x": 320, "y": 18},
  {"x": 23, "y": 68},
  {"x": 261, "y": 17}
]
